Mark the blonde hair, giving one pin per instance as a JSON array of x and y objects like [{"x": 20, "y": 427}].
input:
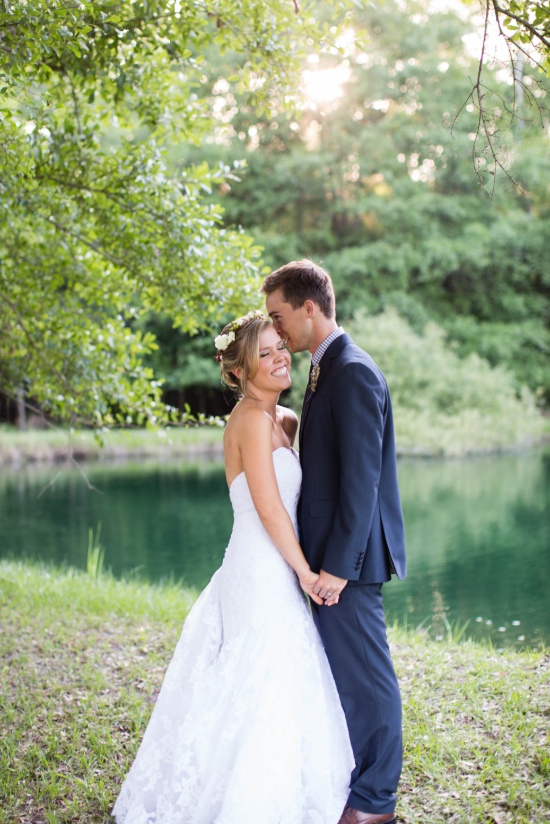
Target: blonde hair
[{"x": 242, "y": 354}]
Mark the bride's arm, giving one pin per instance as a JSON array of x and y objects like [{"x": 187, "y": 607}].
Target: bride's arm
[{"x": 257, "y": 460}]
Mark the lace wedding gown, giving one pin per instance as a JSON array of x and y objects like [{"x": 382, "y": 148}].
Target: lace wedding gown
[{"x": 248, "y": 727}]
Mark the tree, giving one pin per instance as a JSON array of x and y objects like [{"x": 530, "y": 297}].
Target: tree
[
  {"x": 523, "y": 26},
  {"x": 377, "y": 182},
  {"x": 95, "y": 228}
]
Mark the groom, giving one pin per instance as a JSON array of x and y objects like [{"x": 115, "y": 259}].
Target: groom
[{"x": 351, "y": 525}]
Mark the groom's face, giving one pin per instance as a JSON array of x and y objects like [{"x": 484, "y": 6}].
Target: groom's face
[{"x": 293, "y": 325}]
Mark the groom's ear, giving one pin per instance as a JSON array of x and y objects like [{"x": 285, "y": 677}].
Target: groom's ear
[{"x": 309, "y": 307}]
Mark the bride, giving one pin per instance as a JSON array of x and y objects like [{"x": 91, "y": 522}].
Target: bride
[{"x": 248, "y": 727}]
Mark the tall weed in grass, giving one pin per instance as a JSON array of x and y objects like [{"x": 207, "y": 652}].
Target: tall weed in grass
[{"x": 95, "y": 555}]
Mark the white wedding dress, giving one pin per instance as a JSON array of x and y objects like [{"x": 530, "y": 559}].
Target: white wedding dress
[{"x": 248, "y": 727}]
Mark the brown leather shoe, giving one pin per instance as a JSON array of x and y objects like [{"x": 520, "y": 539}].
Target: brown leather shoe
[{"x": 351, "y": 816}]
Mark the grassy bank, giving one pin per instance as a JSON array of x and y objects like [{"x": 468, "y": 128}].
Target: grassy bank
[
  {"x": 58, "y": 445},
  {"x": 418, "y": 439},
  {"x": 83, "y": 659}
]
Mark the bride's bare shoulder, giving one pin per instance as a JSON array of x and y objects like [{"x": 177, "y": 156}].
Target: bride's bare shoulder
[
  {"x": 247, "y": 421},
  {"x": 247, "y": 412},
  {"x": 247, "y": 433}
]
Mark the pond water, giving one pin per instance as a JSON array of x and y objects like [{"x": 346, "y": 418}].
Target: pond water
[{"x": 478, "y": 533}]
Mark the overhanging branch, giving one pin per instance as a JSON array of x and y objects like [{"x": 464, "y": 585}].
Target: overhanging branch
[{"x": 537, "y": 33}]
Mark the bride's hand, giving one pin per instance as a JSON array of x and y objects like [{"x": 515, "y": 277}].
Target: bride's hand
[{"x": 307, "y": 582}]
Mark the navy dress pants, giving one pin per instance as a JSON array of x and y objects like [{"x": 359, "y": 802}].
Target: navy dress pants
[{"x": 354, "y": 636}]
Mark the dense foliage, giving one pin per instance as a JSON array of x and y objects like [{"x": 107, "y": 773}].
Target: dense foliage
[
  {"x": 95, "y": 228},
  {"x": 144, "y": 144},
  {"x": 442, "y": 404},
  {"x": 378, "y": 182}
]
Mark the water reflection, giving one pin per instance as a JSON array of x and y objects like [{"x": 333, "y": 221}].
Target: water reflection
[
  {"x": 478, "y": 533},
  {"x": 159, "y": 520},
  {"x": 479, "y": 537}
]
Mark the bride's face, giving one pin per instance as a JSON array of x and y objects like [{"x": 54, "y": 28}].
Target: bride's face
[{"x": 273, "y": 363}]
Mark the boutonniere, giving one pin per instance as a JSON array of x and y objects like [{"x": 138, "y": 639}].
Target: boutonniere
[{"x": 314, "y": 377}]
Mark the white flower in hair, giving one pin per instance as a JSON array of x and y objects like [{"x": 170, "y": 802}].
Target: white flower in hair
[{"x": 222, "y": 341}]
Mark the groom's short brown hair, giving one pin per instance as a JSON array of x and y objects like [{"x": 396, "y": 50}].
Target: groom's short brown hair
[{"x": 302, "y": 280}]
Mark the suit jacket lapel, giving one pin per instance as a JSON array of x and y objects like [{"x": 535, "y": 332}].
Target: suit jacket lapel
[
  {"x": 326, "y": 362},
  {"x": 330, "y": 355}
]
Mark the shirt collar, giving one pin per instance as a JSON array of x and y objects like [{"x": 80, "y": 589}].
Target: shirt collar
[{"x": 322, "y": 348}]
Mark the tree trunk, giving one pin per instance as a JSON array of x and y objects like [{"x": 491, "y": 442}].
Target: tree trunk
[{"x": 21, "y": 409}]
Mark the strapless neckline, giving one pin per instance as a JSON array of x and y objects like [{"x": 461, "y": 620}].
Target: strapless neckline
[{"x": 286, "y": 448}]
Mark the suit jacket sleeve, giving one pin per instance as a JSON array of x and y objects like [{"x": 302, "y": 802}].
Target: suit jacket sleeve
[{"x": 359, "y": 409}]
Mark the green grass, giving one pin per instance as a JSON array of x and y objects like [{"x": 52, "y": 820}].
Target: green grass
[
  {"x": 57, "y": 444},
  {"x": 83, "y": 658}
]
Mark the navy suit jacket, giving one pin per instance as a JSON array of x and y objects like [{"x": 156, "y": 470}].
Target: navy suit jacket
[{"x": 349, "y": 514}]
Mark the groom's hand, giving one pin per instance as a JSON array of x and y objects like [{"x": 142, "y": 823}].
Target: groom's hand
[{"x": 328, "y": 587}]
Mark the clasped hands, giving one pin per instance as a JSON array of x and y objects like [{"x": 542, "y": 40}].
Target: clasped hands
[{"x": 322, "y": 588}]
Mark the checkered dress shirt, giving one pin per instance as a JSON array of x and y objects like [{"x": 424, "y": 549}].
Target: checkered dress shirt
[{"x": 322, "y": 348}]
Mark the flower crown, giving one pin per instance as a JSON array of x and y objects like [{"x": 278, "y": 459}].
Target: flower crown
[{"x": 221, "y": 342}]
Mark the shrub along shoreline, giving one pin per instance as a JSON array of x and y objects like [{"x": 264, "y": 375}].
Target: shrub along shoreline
[{"x": 83, "y": 657}]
